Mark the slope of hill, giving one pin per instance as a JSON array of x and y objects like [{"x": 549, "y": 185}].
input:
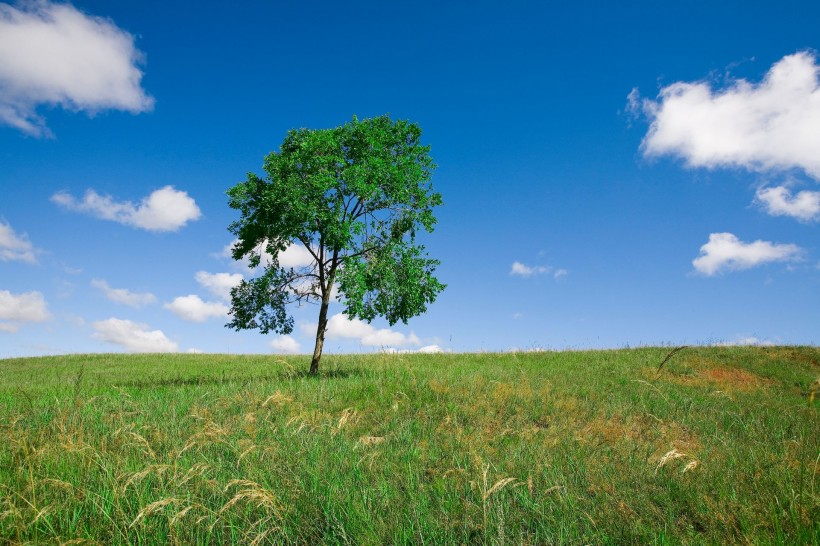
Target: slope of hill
[{"x": 719, "y": 445}]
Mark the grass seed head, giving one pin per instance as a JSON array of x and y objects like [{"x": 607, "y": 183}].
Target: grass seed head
[
  {"x": 669, "y": 456},
  {"x": 153, "y": 508}
]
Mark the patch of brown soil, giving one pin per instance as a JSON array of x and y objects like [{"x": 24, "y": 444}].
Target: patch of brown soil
[
  {"x": 734, "y": 378},
  {"x": 710, "y": 373}
]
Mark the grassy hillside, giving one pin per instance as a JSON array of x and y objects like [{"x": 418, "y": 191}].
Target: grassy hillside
[{"x": 721, "y": 446}]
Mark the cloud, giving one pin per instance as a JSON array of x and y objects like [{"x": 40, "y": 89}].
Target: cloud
[
  {"x": 522, "y": 270},
  {"x": 427, "y": 349},
  {"x": 285, "y": 344},
  {"x": 218, "y": 284},
  {"x": 123, "y": 296},
  {"x": 21, "y": 308},
  {"x": 779, "y": 201},
  {"x": 339, "y": 326},
  {"x": 165, "y": 209},
  {"x": 773, "y": 125},
  {"x": 192, "y": 308},
  {"x": 746, "y": 340},
  {"x": 526, "y": 271},
  {"x": 133, "y": 337},
  {"x": 295, "y": 255},
  {"x": 725, "y": 252},
  {"x": 14, "y": 247},
  {"x": 52, "y": 54}
]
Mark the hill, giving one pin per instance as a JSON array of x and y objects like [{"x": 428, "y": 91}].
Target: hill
[{"x": 719, "y": 445}]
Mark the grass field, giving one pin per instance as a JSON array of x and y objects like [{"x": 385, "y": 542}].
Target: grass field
[{"x": 720, "y": 446}]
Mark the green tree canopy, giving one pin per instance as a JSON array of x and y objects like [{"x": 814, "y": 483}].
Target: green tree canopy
[{"x": 355, "y": 197}]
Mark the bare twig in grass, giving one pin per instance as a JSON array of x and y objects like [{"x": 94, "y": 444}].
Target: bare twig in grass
[{"x": 670, "y": 355}]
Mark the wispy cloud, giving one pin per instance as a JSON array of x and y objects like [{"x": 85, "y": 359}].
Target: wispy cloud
[
  {"x": 746, "y": 340},
  {"x": 53, "y": 54},
  {"x": 771, "y": 125},
  {"x": 427, "y": 349},
  {"x": 725, "y": 252},
  {"x": 124, "y": 296},
  {"x": 133, "y": 337},
  {"x": 522, "y": 270},
  {"x": 166, "y": 209},
  {"x": 15, "y": 247}
]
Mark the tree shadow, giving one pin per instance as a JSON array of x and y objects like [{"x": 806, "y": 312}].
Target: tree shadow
[{"x": 243, "y": 381}]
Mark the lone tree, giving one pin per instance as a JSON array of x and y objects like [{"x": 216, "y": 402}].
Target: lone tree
[{"x": 354, "y": 197}]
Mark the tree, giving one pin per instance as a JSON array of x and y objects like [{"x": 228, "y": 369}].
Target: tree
[{"x": 354, "y": 197}]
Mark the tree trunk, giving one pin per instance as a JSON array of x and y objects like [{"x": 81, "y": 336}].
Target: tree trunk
[{"x": 320, "y": 337}]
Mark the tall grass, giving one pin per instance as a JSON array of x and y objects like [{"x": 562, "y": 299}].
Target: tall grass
[{"x": 721, "y": 446}]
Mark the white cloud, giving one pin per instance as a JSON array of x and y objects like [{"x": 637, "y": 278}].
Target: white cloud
[
  {"x": 427, "y": 349},
  {"x": 192, "y": 308},
  {"x": 194, "y": 351},
  {"x": 124, "y": 296},
  {"x": 19, "y": 308},
  {"x": 725, "y": 252},
  {"x": 218, "y": 284},
  {"x": 523, "y": 270},
  {"x": 779, "y": 201},
  {"x": 295, "y": 255},
  {"x": 14, "y": 247},
  {"x": 746, "y": 340},
  {"x": 339, "y": 326},
  {"x": 165, "y": 209},
  {"x": 771, "y": 125},
  {"x": 53, "y": 54},
  {"x": 285, "y": 344},
  {"x": 528, "y": 271},
  {"x": 133, "y": 337}
]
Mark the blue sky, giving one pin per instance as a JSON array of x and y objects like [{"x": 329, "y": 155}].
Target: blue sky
[{"x": 612, "y": 176}]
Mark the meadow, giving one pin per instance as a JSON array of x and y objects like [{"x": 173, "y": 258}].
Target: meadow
[{"x": 720, "y": 445}]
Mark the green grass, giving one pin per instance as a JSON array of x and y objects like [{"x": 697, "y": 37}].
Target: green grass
[{"x": 721, "y": 446}]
